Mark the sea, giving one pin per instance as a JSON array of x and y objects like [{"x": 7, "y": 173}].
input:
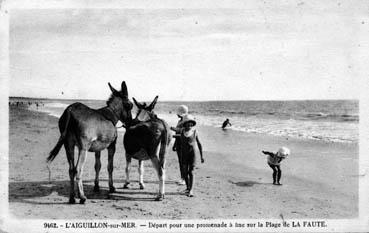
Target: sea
[{"x": 325, "y": 120}]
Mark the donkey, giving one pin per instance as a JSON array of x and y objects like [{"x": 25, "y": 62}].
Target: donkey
[
  {"x": 142, "y": 141},
  {"x": 91, "y": 130}
]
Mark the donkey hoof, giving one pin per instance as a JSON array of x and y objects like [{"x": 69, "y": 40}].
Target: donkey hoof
[
  {"x": 82, "y": 200},
  {"x": 160, "y": 197},
  {"x": 125, "y": 186},
  {"x": 111, "y": 189},
  {"x": 72, "y": 200},
  {"x": 96, "y": 188},
  {"x": 142, "y": 186}
]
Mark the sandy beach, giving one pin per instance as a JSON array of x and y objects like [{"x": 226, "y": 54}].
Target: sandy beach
[{"x": 320, "y": 179}]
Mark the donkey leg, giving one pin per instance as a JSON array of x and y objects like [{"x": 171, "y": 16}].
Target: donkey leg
[
  {"x": 69, "y": 149},
  {"x": 140, "y": 172},
  {"x": 161, "y": 174},
  {"x": 128, "y": 167},
  {"x": 80, "y": 164},
  {"x": 97, "y": 171},
  {"x": 111, "y": 151}
]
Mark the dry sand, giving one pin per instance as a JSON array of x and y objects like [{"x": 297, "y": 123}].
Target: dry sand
[{"x": 320, "y": 179}]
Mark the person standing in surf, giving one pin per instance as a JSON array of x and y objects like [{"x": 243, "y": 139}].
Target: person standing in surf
[
  {"x": 274, "y": 162},
  {"x": 226, "y": 123},
  {"x": 181, "y": 112}
]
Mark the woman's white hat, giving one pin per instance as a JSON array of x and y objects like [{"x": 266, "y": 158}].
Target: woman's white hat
[
  {"x": 283, "y": 152},
  {"x": 188, "y": 118},
  {"x": 182, "y": 110}
]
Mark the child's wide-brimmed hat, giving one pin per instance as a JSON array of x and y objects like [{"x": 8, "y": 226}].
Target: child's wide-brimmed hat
[
  {"x": 182, "y": 110},
  {"x": 283, "y": 152},
  {"x": 188, "y": 118}
]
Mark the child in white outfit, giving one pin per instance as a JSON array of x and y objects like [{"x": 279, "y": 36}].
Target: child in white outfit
[{"x": 274, "y": 161}]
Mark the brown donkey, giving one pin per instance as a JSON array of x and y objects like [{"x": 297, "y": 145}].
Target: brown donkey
[
  {"x": 91, "y": 130},
  {"x": 142, "y": 141}
]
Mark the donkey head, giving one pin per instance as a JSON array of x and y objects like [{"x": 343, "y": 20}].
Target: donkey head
[
  {"x": 145, "y": 112},
  {"x": 120, "y": 104}
]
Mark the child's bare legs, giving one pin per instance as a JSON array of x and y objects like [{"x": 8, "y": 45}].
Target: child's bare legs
[
  {"x": 191, "y": 180},
  {"x": 277, "y": 173}
]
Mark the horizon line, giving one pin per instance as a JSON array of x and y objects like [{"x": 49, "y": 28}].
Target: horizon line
[{"x": 234, "y": 100}]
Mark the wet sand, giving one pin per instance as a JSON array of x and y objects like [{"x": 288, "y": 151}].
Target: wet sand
[{"x": 320, "y": 180}]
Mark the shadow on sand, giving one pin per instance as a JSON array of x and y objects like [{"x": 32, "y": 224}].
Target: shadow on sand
[
  {"x": 245, "y": 183},
  {"x": 57, "y": 192}
]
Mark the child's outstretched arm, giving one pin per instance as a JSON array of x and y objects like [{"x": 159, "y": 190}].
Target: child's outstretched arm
[
  {"x": 200, "y": 148},
  {"x": 268, "y": 153},
  {"x": 175, "y": 129}
]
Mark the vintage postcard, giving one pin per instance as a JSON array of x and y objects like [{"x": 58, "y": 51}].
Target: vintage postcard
[{"x": 184, "y": 116}]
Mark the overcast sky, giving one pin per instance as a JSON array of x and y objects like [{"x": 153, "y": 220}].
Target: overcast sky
[{"x": 294, "y": 50}]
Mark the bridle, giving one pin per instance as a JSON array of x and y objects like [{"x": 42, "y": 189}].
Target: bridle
[{"x": 117, "y": 118}]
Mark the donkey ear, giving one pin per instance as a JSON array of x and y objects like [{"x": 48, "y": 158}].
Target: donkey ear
[
  {"x": 152, "y": 105},
  {"x": 124, "y": 89},
  {"x": 115, "y": 92},
  {"x": 137, "y": 103}
]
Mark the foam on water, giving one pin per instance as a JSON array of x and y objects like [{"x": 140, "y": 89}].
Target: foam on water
[
  {"x": 327, "y": 131},
  {"x": 56, "y": 105},
  {"x": 264, "y": 120}
]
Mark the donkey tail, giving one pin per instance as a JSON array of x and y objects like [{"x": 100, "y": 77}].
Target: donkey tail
[{"x": 59, "y": 144}]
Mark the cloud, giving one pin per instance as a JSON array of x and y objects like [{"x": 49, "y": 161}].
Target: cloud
[{"x": 265, "y": 45}]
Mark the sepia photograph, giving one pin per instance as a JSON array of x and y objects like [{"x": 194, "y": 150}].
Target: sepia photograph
[{"x": 213, "y": 116}]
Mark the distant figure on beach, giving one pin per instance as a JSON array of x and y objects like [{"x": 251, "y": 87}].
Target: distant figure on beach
[
  {"x": 274, "y": 162},
  {"x": 181, "y": 112},
  {"x": 226, "y": 123},
  {"x": 188, "y": 139}
]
